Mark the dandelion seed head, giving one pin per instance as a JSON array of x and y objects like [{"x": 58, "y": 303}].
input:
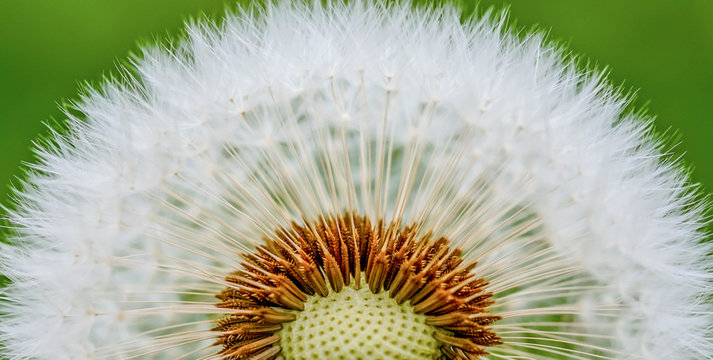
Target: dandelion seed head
[{"x": 131, "y": 223}]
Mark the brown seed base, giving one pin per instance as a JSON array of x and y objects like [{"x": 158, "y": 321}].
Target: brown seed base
[{"x": 333, "y": 252}]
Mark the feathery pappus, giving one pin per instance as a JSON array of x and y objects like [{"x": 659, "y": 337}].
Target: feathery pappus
[{"x": 356, "y": 181}]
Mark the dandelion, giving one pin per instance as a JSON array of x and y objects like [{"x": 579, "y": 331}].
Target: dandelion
[{"x": 356, "y": 181}]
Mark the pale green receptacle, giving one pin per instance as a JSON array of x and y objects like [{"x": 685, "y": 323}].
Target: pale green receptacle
[{"x": 358, "y": 324}]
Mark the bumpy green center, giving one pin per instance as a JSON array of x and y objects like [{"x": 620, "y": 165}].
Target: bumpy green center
[{"x": 357, "y": 324}]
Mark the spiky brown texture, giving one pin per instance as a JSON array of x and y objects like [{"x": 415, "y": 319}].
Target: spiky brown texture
[{"x": 333, "y": 252}]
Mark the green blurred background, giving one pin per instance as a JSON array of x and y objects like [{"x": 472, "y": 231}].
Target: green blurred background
[{"x": 662, "y": 47}]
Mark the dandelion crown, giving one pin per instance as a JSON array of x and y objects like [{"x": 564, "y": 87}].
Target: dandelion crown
[{"x": 356, "y": 181}]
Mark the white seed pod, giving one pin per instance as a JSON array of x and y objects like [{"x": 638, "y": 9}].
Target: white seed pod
[{"x": 589, "y": 240}]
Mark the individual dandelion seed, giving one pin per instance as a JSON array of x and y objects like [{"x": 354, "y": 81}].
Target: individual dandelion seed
[{"x": 356, "y": 181}]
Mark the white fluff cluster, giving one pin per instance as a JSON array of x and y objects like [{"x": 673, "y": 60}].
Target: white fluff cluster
[{"x": 591, "y": 242}]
